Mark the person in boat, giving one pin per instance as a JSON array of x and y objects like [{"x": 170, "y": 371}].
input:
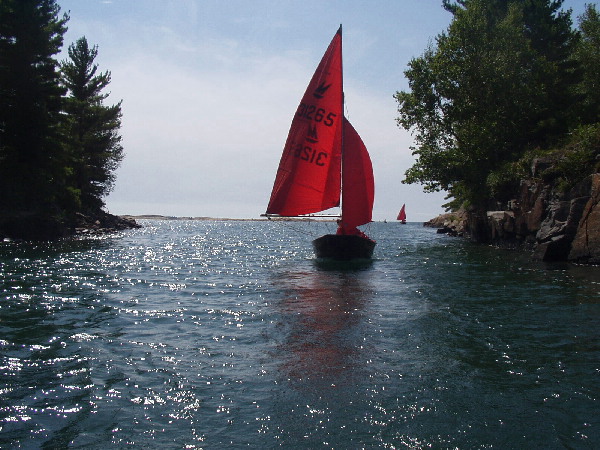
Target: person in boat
[{"x": 343, "y": 230}]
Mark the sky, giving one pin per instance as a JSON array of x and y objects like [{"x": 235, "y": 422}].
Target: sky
[{"x": 209, "y": 89}]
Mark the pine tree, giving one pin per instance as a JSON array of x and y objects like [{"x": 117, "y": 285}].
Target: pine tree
[
  {"x": 33, "y": 163},
  {"x": 588, "y": 56},
  {"x": 92, "y": 128}
]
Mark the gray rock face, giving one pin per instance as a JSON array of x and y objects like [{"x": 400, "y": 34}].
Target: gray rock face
[
  {"x": 586, "y": 242},
  {"x": 556, "y": 226}
]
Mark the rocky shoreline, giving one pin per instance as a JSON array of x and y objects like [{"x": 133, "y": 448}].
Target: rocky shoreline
[
  {"x": 553, "y": 225},
  {"x": 32, "y": 226},
  {"x": 104, "y": 223}
]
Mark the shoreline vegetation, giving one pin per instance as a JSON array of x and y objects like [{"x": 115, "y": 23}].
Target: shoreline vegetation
[
  {"x": 39, "y": 226},
  {"x": 60, "y": 143},
  {"x": 504, "y": 110}
]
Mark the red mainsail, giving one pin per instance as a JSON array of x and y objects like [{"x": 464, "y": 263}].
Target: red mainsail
[
  {"x": 309, "y": 175},
  {"x": 358, "y": 185},
  {"x": 402, "y": 214}
]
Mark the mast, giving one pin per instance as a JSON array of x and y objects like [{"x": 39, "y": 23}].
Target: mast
[{"x": 342, "y": 118}]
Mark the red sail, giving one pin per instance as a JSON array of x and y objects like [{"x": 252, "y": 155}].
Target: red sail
[
  {"x": 358, "y": 185},
  {"x": 308, "y": 177},
  {"x": 401, "y": 214}
]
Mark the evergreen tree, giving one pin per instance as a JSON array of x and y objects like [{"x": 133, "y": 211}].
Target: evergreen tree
[
  {"x": 588, "y": 56},
  {"x": 498, "y": 82},
  {"x": 92, "y": 127},
  {"x": 33, "y": 162}
]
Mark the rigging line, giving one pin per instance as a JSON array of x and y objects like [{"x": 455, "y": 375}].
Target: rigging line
[
  {"x": 297, "y": 229},
  {"x": 289, "y": 225},
  {"x": 310, "y": 232}
]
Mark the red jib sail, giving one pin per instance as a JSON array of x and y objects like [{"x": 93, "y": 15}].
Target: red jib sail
[
  {"x": 358, "y": 185},
  {"x": 308, "y": 178},
  {"x": 402, "y": 214}
]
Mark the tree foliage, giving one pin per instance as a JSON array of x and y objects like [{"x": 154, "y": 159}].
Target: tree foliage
[
  {"x": 92, "y": 127},
  {"x": 32, "y": 155},
  {"x": 58, "y": 153},
  {"x": 501, "y": 80},
  {"x": 587, "y": 55}
]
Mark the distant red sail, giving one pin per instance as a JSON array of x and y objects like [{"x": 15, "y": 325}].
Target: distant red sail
[
  {"x": 358, "y": 185},
  {"x": 308, "y": 179},
  {"x": 402, "y": 214}
]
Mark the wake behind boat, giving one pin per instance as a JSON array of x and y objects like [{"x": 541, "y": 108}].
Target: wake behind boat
[{"x": 325, "y": 163}]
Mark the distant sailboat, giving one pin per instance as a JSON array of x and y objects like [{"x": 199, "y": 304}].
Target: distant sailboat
[
  {"x": 402, "y": 215},
  {"x": 325, "y": 163}
]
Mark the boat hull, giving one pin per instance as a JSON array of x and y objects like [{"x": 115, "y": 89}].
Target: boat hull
[{"x": 343, "y": 247}]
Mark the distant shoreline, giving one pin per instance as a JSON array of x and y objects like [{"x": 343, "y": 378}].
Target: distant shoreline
[
  {"x": 261, "y": 219},
  {"x": 216, "y": 219}
]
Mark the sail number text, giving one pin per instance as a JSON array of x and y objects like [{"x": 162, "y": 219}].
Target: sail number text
[
  {"x": 310, "y": 155},
  {"x": 311, "y": 112}
]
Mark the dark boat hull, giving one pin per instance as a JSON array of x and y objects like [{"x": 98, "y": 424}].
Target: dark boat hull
[{"x": 343, "y": 247}]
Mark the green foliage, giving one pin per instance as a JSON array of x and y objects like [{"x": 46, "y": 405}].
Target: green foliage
[
  {"x": 577, "y": 159},
  {"x": 57, "y": 153},
  {"x": 32, "y": 155},
  {"x": 504, "y": 182},
  {"x": 587, "y": 54},
  {"x": 92, "y": 127},
  {"x": 456, "y": 201},
  {"x": 498, "y": 82}
]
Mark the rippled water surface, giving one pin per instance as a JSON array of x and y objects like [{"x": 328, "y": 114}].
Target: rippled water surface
[{"x": 223, "y": 334}]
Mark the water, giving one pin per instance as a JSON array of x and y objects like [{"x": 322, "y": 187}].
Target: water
[{"x": 200, "y": 334}]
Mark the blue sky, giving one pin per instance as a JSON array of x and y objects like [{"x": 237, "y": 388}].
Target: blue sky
[{"x": 209, "y": 88}]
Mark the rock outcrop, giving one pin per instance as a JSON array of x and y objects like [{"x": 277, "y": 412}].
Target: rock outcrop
[
  {"x": 555, "y": 225},
  {"x": 103, "y": 223},
  {"x": 454, "y": 224},
  {"x": 34, "y": 226},
  {"x": 585, "y": 246}
]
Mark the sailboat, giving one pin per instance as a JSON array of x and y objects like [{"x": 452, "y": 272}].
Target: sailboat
[
  {"x": 325, "y": 164},
  {"x": 402, "y": 215}
]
